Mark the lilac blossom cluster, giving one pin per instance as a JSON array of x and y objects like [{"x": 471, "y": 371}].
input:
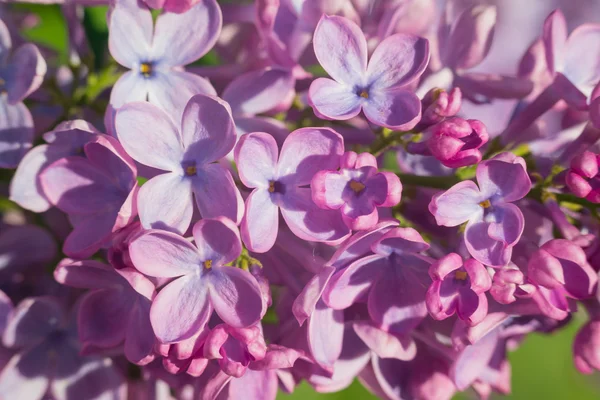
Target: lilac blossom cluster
[{"x": 322, "y": 205}]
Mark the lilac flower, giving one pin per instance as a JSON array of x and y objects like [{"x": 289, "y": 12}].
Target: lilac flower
[
  {"x": 67, "y": 139},
  {"x": 21, "y": 73},
  {"x": 455, "y": 142},
  {"x": 357, "y": 189},
  {"x": 494, "y": 224},
  {"x": 380, "y": 89},
  {"x": 206, "y": 134},
  {"x": 115, "y": 310},
  {"x": 277, "y": 184},
  {"x": 174, "y": 6},
  {"x": 98, "y": 193},
  {"x": 572, "y": 61},
  {"x": 458, "y": 287},
  {"x": 156, "y": 55},
  {"x": 392, "y": 280},
  {"x": 561, "y": 264},
  {"x": 439, "y": 104},
  {"x": 582, "y": 178},
  {"x": 24, "y": 246},
  {"x": 47, "y": 359},
  {"x": 509, "y": 284},
  {"x": 203, "y": 282}
]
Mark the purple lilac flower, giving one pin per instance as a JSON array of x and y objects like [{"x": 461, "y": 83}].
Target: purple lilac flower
[
  {"x": 458, "y": 287},
  {"x": 115, "y": 310},
  {"x": 98, "y": 193},
  {"x": 357, "y": 190},
  {"x": 380, "y": 89},
  {"x": 494, "y": 224},
  {"x": 586, "y": 346},
  {"x": 278, "y": 184},
  {"x": 47, "y": 360},
  {"x": 509, "y": 284},
  {"x": 392, "y": 280},
  {"x": 187, "y": 153},
  {"x": 203, "y": 281},
  {"x": 156, "y": 53},
  {"x": 66, "y": 139}
]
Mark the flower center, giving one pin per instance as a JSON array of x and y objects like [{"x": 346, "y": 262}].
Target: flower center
[
  {"x": 364, "y": 94},
  {"x": 356, "y": 186},
  {"x": 146, "y": 69},
  {"x": 486, "y": 204},
  {"x": 191, "y": 170},
  {"x": 207, "y": 264},
  {"x": 276, "y": 187},
  {"x": 460, "y": 275}
]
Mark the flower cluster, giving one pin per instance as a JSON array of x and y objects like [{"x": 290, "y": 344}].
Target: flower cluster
[{"x": 284, "y": 191}]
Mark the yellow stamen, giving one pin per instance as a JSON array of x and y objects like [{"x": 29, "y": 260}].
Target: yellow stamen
[
  {"x": 208, "y": 264},
  {"x": 191, "y": 170},
  {"x": 460, "y": 275},
  {"x": 272, "y": 187},
  {"x": 364, "y": 94},
  {"x": 485, "y": 204},
  {"x": 145, "y": 69},
  {"x": 356, "y": 186}
]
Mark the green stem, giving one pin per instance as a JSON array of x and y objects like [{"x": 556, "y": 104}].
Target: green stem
[{"x": 435, "y": 182}]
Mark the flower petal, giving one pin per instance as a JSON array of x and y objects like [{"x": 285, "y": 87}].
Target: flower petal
[
  {"x": 139, "y": 336},
  {"x": 384, "y": 344},
  {"x": 163, "y": 254},
  {"x": 397, "y": 61},
  {"x": 31, "y": 321},
  {"x": 102, "y": 317},
  {"x": 149, "y": 136},
  {"x": 483, "y": 248},
  {"x": 309, "y": 222},
  {"x": 307, "y": 151},
  {"x": 89, "y": 234},
  {"x": 260, "y": 224},
  {"x": 26, "y": 376},
  {"x": 16, "y": 132},
  {"x": 216, "y": 194},
  {"x": 509, "y": 224},
  {"x": 332, "y": 100},
  {"x": 581, "y": 67},
  {"x": 182, "y": 38},
  {"x": 207, "y": 129},
  {"x": 354, "y": 282},
  {"x": 235, "y": 295},
  {"x": 180, "y": 309},
  {"x": 554, "y": 36},
  {"x": 341, "y": 48},
  {"x": 457, "y": 205},
  {"x": 130, "y": 26},
  {"x": 397, "y": 109},
  {"x": 259, "y": 91},
  {"x": 256, "y": 159},
  {"x": 502, "y": 180},
  {"x": 25, "y": 72},
  {"x": 87, "y": 274},
  {"x": 217, "y": 240},
  {"x": 325, "y": 334},
  {"x": 131, "y": 87},
  {"x": 165, "y": 202}
]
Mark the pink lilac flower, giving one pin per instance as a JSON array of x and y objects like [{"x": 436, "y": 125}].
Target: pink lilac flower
[
  {"x": 494, "y": 224},
  {"x": 66, "y": 139},
  {"x": 392, "y": 280},
  {"x": 187, "y": 154},
  {"x": 380, "y": 89},
  {"x": 458, "y": 287},
  {"x": 455, "y": 142},
  {"x": 115, "y": 310},
  {"x": 278, "y": 184},
  {"x": 357, "y": 190},
  {"x": 156, "y": 53},
  {"x": 98, "y": 193},
  {"x": 586, "y": 347},
  {"x": 21, "y": 73},
  {"x": 203, "y": 281},
  {"x": 47, "y": 360},
  {"x": 582, "y": 178},
  {"x": 509, "y": 284},
  {"x": 439, "y": 104}
]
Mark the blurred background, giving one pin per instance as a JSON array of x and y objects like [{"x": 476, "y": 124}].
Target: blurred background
[{"x": 542, "y": 368}]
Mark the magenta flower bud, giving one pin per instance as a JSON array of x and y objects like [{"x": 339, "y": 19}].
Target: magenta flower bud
[
  {"x": 582, "y": 178},
  {"x": 235, "y": 348},
  {"x": 439, "y": 104},
  {"x": 561, "y": 264},
  {"x": 586, "y": 348},
  {"x": 456, "y": 142},
  {"x": 509, "y": 284},
  {"x": 458, "y": 287},
  {"x": 357, "y": 190}
]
